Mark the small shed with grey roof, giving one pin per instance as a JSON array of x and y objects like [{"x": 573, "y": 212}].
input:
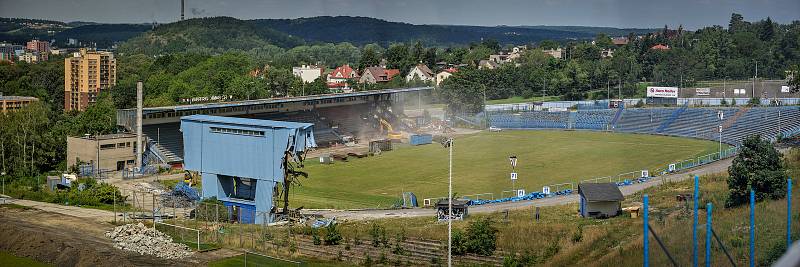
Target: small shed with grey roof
[{"x": 600, "y": 200}]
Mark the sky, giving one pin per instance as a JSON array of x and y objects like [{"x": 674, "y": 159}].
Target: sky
[{"x": 692, "y": 14}]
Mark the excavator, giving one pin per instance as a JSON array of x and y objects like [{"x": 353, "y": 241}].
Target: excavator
[
  {"x": 191, "y": 178},
  {"x": 390, "y": 133}
]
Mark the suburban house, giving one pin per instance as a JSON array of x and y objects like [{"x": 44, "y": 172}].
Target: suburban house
[
  {"x": 373, "y": 75},
  {"x": 555, "y": 53},
  {"x": 508, "y": 57},
  {"x": 487, "y": 64},
  {"x": 619, "y": 41},
  {"x": 660, "y": 47},
  {"x": 421, "y": 72},
  {"x": 444, "y": 74},
  {"x": 600, "y": 200},
  {"x": 608, "y": 52},
  {"x": 338, "y": 78},
  {"x": 307, "y": 73}
]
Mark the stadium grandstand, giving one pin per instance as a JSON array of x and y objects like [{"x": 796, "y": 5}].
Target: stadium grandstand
[
  {"x": 703, "y": 123},
  {"x": 336, "y": 117}
]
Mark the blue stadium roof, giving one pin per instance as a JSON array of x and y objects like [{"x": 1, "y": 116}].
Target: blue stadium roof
[{"x": 247, "y": 122}]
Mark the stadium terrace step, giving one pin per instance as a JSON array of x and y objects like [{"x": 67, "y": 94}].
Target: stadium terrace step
[
  {"x": 672, "y": 118},
  {"x": 702, "y": 123}
]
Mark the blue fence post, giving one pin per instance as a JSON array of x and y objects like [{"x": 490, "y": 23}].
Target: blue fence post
[
  {"x": 752, "y": 228},
  {"x": 646, "y": 232},
  {"x": 788, "y": 213},
  {"x": 694, "y": 224},
  {"x": 708, "y": 235}
]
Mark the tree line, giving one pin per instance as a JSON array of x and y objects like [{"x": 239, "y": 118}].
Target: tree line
[
  {"x": 710, "y": 53},
  {"x": 264, "y": 70}
]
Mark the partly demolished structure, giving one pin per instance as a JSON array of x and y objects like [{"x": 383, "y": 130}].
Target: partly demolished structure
[{"x": 245, "y": 163}]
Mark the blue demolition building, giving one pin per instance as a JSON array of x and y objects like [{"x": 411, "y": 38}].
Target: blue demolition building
[{"x": 241, "y": 160}]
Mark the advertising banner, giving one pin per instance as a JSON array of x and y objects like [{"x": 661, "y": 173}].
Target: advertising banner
[{"x": 666, "y": 92}]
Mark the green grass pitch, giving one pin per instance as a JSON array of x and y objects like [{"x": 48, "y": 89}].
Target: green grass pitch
[{"x": 481, "y": 165}]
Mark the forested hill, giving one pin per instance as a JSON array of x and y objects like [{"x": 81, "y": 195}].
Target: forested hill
[
  {"x": 207, "y": 34},
  {"x": 363, "y": 30}
]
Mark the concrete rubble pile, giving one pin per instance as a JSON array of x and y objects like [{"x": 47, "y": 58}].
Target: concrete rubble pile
[{"x": 147, "y": 241}]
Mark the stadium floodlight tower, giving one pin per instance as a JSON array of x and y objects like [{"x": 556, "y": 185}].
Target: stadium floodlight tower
[{"x": 243, "y": 160}]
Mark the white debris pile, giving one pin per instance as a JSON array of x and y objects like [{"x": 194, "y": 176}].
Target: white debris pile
[
  {"x": 149, "y": 188},
  {"x": 147, "y": 241}
]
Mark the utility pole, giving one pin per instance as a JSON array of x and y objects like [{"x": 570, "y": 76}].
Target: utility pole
[
  {"x": 754, "y": 80},
  {"x": 608, "y": 90},
  {"x": 139, "y": 106},
  {"x": 485, "y": 116}
]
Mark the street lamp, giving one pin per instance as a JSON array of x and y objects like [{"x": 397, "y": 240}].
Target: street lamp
[
  {"x": 513, "y": 160},
  {"x": 4, "y": 182},
  {"x": 449, "y": 144}
]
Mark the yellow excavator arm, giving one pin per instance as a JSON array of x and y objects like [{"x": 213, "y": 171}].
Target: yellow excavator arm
[{"x": 390, "y": 133}]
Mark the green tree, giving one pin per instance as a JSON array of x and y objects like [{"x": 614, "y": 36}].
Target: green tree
[
  {"x": 463, "y": 92},
  {"x": 98, "y": 118},
  {"x": 317, "y": 87},
  {"x": 758, "y": 166},
  {"x": 794, "y": 80},
  {"x": 397, "y": 56},
  {"x": 548, "y": 44},
  {"x": 368, "y": 58}
]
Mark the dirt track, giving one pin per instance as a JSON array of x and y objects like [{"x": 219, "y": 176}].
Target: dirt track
[{"x": 64, "y": 240}]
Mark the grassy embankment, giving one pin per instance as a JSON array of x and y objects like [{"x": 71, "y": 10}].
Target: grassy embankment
[{"x": 562, "y": 238}]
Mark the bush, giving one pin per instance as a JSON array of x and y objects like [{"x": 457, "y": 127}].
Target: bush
[
  {"x": 639, "y": 104},
  {"x": 577, "y": 236},
  {"x": 482, "y": 237},
  {"x": 367, "y": 260},
  {"x": 332, "y": 235},
  {"x": 375, "y": 234},
  {"x": 459, "y": 243},
  {"x": 315, "y": 237},
  {"x": 759, "y": 167},
  {"x": 754, "y": 102}
]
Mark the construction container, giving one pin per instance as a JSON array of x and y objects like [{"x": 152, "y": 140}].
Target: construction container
[
  {"x": 420, "y": 139},
  {"x": 325, "y": 159},
  {"x": 379, "y": 146}
]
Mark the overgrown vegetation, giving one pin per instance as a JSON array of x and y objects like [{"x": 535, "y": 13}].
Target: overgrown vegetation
[
  {"x": 758, "y": 166},
  {"x": 84, "y": 192}
]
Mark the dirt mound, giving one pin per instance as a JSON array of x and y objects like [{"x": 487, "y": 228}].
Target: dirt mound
[
  {"x": 51, "y": 248},
  {"x": 64, "y": 241}
]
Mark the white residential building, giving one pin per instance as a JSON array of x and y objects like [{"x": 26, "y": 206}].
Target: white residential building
[
  {"x": 421, "y": 72},
  {"x": 307, "y": 73}
]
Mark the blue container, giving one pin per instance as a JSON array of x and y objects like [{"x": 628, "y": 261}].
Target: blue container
[
  {"x": 241, "y": 212},
  {"x": 420, "y": 139}
]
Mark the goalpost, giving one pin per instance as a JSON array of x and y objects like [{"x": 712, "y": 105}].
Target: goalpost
[{"x": 180, "y": 234}]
